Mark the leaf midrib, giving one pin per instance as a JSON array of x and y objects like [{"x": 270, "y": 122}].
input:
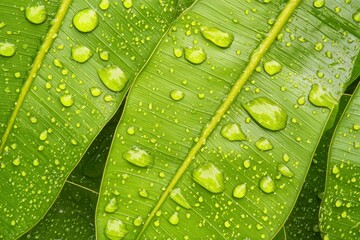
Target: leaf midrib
[
  {"x": 44, "y": 47},
  {"x": 254, "y": 60}
]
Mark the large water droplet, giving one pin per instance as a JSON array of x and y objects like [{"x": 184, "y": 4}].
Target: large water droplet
[
  {"x": 195, "y": 55},
  {"x": 285, "y": 171},
  {"x": 318, "y": 96},
  {"x": 174, "y": 219},
  {"x": 127, "y": 3},
  {"x": 218, "y": 37},
  {"x": 111, "y": 206},
  {"x": 233, "y": 132},
  {"x": 7, "y": 49},
  {"x": 137, "y": 157},
  {"x": 210, "y": 177},
  {"x": 178, "y": 52},
  {"x": 86, "y": 20},
  {"x": 240, "y": 191},
  {"x": 67, "y": 100},
  {"x": 80, "y": 53},
  {"x": 95, "y": 91},
  {"x": 104, "y": 4},
  {"x": 177, "y": 95},
  {"x": 177, "y": 196},
  {"x": 36, "y": 14},
  {"x": 267, "y": 185},
  {"x": 319, "y": 3},
  {"x": 263, "y": 144},
  {"x": 356, "y": 16},
  {"x": 267, "y": 113},
  {"x": 43, "y": 135},
  {"x": 272, "y": 67},
  {"x": 113, "y": 78},
  {"x": 115, "y": 229}
]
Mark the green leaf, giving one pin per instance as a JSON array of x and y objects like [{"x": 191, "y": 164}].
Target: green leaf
[
  {"x": 55, "y": 102},
  {"x": 339, "y": 213},
  {"x": 169, "y": 153}
]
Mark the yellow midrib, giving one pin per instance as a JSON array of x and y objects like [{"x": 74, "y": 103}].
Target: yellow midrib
[
  {"x": 45, "y": 46},
  {"x": 235, "y": 90}
]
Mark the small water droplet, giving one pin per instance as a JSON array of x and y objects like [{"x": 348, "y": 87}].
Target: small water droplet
[
  {"x": 113, "y": 78},
  {"x": 177, "y": 95},
  {"x": 16, "y": 161},
  {"x": 318, "y": 96},
  {"x": 272, "y": 67},
  {"x": 178, "y": 52},
  {"x": 43, "y": 135},
  {"x": 319, "y": 3},
  {"x": 267, "y": 113},
  {"x": 356, "y": 16},
  {"x": 36, "y": 14},
  {"x": 115, "y": 229},
  {"x": 210, "y": 177},
  {"x": 138, "y": 221},
  {"x": 95, "y": 91},
  {"x": 240, "y": 191},
  {"x": 218, "y": 37},
  {"x": 263, "y": 144},
  {"x": 179, "y": 198},
  {"x": 80, "y": 53},
  {"x": 267, "y": 185},
  {"x": 233, "y": 132},
  {"x": 301, "y": 100},
  {"x": 335, "y": 169},
  {"x": 356, "y": 127},
  {"x": 67, "y": 100},
  {"x": 7, "y": 49},
  {"x": 247, "y": 163},
  {"x": 285, "y": 171},
  {"x": 104, "y": 4},
  {"x": 174, "y": 219},
  {"x": 137, "y": 157},
  {"x": 127, "y": 3},
  {"x": 143, "y": 193},
  {"x": 86, "y": 20},
  {"x": 104, "y": 55},
  {"x": 111, "y": 206},
  {"x": 195, "y": 55}
]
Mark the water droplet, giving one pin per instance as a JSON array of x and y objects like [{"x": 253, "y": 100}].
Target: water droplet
[
  {"x": 319, "y": 3},
  {"x": 267, "y": 185},
  {"x": 174, "y": 219},
  {"x": 36, "y": 14},
  {"x": 138, "y": 221},
  {"x": 16, "y": 161},
  {"x": 318, "y": 96},
  {"x": 335, "y": 169},
  {"x": 177, "y": 95},
  {"x": 143, "y": 193},
  {"x": 195, "y": 55},
  {"x": 127, "y": 3},
  {"x": 267, "y": 113},
  {"x": 137, "y": 157},
  {"x": 338, "y": 203},
  {"x": 218, "y": 37},
  {"x": 356, "y": 16},
  {"x": 113, "y": 78},
  {"x": 247, "y": 163},
  {"x": 115, "y": 229},
  {"x": 285, "y": 171},
  {"x": 301, "y": 100},
  {"x": 178, "y": 52},
  {"x": 111, "y": 206},
  {"x": 356, "y": 127},
  {"x": 319, "y": 46},
  {"x": 43, "y": 135},
  {"x": 272, "y": 67},
  {"x": 7, "y": 49},
  {"x": 210, "y": 177},
  {"x": 104, "y": 55},
  {"x": 263, "y": 144},
  {"x": 95, "y": 91},
  {"x": 104, "y": 4},
  {"x": 233, "y": 132},
  {"x": 239, "y": 191},
  {"x": 86, "y": 20},
  {"x": 67, "y": 100},
  {"x": 177, "y": 196},
  {"x": 80, "y": 53}
]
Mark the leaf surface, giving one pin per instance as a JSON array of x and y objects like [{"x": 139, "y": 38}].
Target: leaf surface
[{"x": 174, "y": 135}]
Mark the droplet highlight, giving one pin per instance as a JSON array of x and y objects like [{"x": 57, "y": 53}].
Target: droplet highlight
[
  {"x": 113, "y": 78},
  {"x": 36, "y": 14},
  {"x": 240, "y": 191},
  {"x": 174, "y": 219},
  {"x": 233, "y": 132},
  {"x": 264, "y": 144},
  {"x": 210, "y": 177},
  {"x": 67, "y": 100},
  {"x": 115, "y": 229},
  {"x": 267, "y": 184},
  {"x": 7, "y": 49},
  {"x": 285, "y": 171},
  {"x": 195, "y": 55},
  {"x": 218, "y": 37},
  {"x": 111, "y": 206},
  {"x": 177, "y": 196},
  {"x": 81, "y": 53},
  {"x": 137, "y": 157},
  {"x": 272, "y": 67},
  {"x": 86, "y": 20},
  {"x": 177, "y": 95},
  {"x": 319, "y": 97}
]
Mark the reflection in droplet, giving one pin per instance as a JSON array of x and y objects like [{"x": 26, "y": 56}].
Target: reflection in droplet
[
  {"x": 218, "y": 37},
  {"x": 210, "y": 177},
  {"x": 86, "y": 20},
  {"x": 137, "y": 157}
]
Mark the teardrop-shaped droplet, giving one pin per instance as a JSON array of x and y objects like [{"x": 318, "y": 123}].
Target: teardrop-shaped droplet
[
  {"x": 240, "y": 191},
  {"x": 267, "y": 185},
  {"x": 318, "y": 96},
  {"x": 179, "y": 198},
  {"x": 233, "y": 132},
  {"x": 7, "y": 49},
  {"x": 80, "y": 53},
  {"x": 67, "y": 100},
  {"x": 137, "y": 157},
  {"x": 115, "y": 229},
  {"x": 36, "y": 14},
  {"x": 177, "y": 95},
  {"x": 267, "y": 113},
  {"x": 174, "y": 219},
  {"x": 195, "y": 55},
  {"x": 272, "y": 67},
  {"x": 218, "y": 37},
  {"x": 210, "y": 177},
  {"x": 285, "y": 171},
  {"x": 86, "y": 20},
  {"x": 113, "y": 78},
  {"x": 111, "y": 206},
  {"x": 263, "y": 144}
]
